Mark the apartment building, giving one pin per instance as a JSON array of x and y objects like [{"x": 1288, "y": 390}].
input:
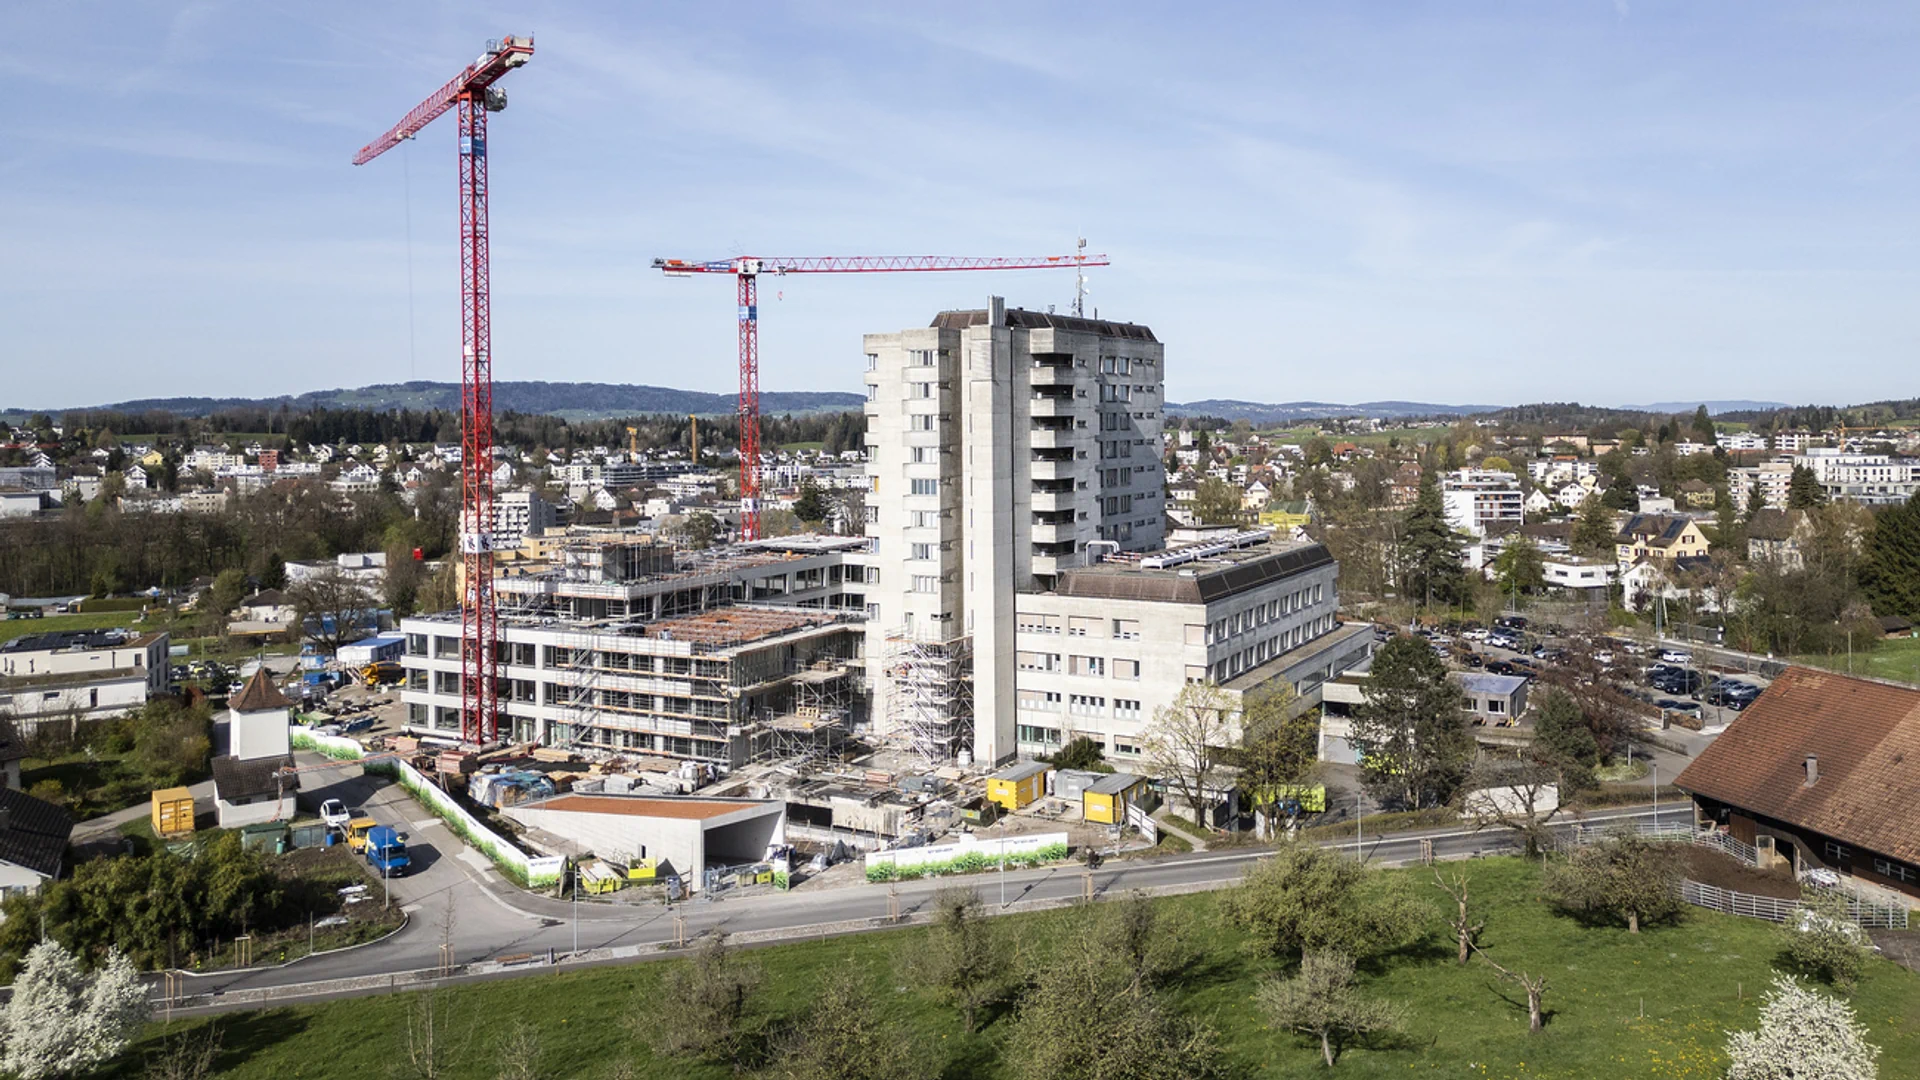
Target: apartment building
[
  {"x": 1868, "y": 479},
  {"x": 1002, "y": 445},
  {"x": 1772, "y": 478},
  {"x": 1477, "y": 498},
  {"x": 516, "y": 514},
  {"x": 81, "y": 674}
]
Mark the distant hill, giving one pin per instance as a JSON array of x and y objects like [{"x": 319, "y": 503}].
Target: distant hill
[
  {"x": 572, "y": 401},
  {"x": 1287, "y": 412},
  {"x": 1713, "y": 407}
]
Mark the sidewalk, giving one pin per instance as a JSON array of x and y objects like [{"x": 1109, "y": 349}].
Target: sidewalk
[
  {"x": 202, "y": 792},
  {"x": 1161, "y": 819}
]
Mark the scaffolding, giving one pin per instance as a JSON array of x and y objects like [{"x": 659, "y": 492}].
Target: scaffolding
[
  {"x": 817, "y": 728},
  {"x": 929, "y": 694}
]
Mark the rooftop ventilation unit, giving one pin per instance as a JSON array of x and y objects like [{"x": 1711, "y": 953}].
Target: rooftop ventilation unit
[{"x": 1182, "y": 556}]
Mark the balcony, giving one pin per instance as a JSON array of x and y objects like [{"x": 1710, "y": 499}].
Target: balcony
[
  {"x": 1051, "y": 439},
  {"x": 1051, "y": 374},
  {"x": 1045, "y": 502},
  {"x": 1054, "y": 536}
]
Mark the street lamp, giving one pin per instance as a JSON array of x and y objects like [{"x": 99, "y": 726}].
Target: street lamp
[{"x": 1656, "y": 793}]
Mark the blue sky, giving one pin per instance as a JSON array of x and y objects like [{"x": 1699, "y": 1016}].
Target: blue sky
[{"x": 1452, "y": 202}]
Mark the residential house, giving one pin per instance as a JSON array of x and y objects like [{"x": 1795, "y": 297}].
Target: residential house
[
  {"x": 1697, "y": 495},
  {"x": 1658, "y": 536},
  {"x": 1778, "y": 536},
  {"x": 1821, "y": 769},
  {"x": 255, "y": 782},
  {"x": 33, "y": 842}
]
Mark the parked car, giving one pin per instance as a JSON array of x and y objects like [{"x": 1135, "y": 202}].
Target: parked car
[
  {"x": 1676, "y": 656},
  {"x": 335, "y": 814},
  {"x": 1511, "y": 622},
  {"x": 1676, "y": 705},
  {"x": 1474, "y": 633},
  {"x": 1472, "y": 659},
  {"x": 1501, "y": 640},
  {"x": 1678, "y": 682},
  {"x": 1500, "y": 667}
]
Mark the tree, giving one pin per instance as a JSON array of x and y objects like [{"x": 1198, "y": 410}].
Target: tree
[
  {"x": 1081, "y": 752},
  {"x": 777, "y": 522},
  {"x": 1803, "y": 1034},
  {"x": 518, "y": 1055},
  {"x": 1466, "y": 928},
  {"x": 190, "y": 1055},
  {"x": 1430, "y": 552},
  {"x": 844, "y": 1036},
  {"x": 1496, "y": 463},
  {"x": 1086, "y": 1017},
  {"x": 1804, "y": 491},
  {"x": 1520, "y": 794},
  {"x": 332, "y": 608},
  {"x": 1136, "y": 934},
  {"x": 61, "y": 1021},
  {"x": 1534, "y": 985},
  {"x": 228, "y": 589},
  {"x": 1624, "y": 874},
  {"x": 1186, "y": 740},
  {"x": 1822, "y": 940},
  {"x": 1519, "y": 566},
  {"x": 1594, "y": 530},
  {"x": 1322, "y": 1002},
  {"x": 427, "y": 1048},
  {"x": 705, "y": 1008},
  {"x": 697, "y": 530},
  {"x": 1702, "y": 426},
  {"x": 1306, "y": 899},
  {"x": 963, "y": 959},
  {"x": 1411, "y": 727},
  {"x": 1216, "y": 502},
  {"x": 1890, "y": 570},
  {"x": 811, "y": 504},
  {"x": 1281, "y": 748},
  {"x": 1563, "y": 741},
  {"x": 440, "y": 591}
]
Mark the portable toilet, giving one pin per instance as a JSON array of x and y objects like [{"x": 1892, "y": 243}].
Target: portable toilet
[
  {"x": 1018, "y": 784},
  {"x": 1106, "y": 801}
]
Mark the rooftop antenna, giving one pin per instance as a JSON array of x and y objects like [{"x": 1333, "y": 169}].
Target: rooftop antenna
[{"x": 1080, "y": 279}]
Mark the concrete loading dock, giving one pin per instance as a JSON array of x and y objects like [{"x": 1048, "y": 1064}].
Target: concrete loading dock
[
  {"x": 1018, "y": 784},
  {"x": 681, "y": 835}
]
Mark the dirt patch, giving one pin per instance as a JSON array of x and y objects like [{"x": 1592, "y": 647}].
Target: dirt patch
[
  {"x": 1900, "y": 946},
  {"x": 1711, "y": 867}
]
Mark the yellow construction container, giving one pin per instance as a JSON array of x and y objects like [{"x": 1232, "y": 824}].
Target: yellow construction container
[
  {"x": 1018, "y": 784},
  {"x": 1106, "y": 800},
  {"x": 642, "y": 870},
  {"x": 172, "y": 812}
]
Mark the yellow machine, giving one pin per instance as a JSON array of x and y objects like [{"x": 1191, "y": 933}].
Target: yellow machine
[
  {"x": 382, "y": 673},
  {"x": 357, "y": 831}
]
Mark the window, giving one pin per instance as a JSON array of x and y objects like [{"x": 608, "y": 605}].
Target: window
[
  {"x": 1126, "y": 709},
  {"x": 1043, "y": 735},
  {"x": 1126, "y": 629},
  {"x": 873, "y": 361},
  {"x": 921, "y": 551},
  {"x": 921, "y": 455},
  {"x": 925, "y": 486},
  {"x": 873, "y": 392},
  {"x": 1087, "y": 665},
  {"x": 1120, "y": 746},
  {"x": 1086, "y": 704},
  {"x": 1897, "y": 871},
  {"x": 926, "y": 583},
  {"x": 925, "y": 519},
  {"x": 1126, "y": 669},
  {"x": 1081, "y": 625},
  {"x": 1196, "y": 673},
  {"x": 1037, "y": 661},
  {"x": 1030, "y": 623},
  {"x": 920, "y": 390},
  {"x": 920, "y": 357},
  {"x": 1040, "y": 700},
  {"x": 1838, "y": 852},
  {"x": 1196, "y": 634},
  {"x": 1495, "y": 706},
  {"x": 920, "y": 422}
]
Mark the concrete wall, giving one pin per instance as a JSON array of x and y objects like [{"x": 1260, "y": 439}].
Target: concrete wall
[
  {"x": 685, "y": 846},
  {"x": 234, "y": 815},
  {"x": 260, "y": 734}
]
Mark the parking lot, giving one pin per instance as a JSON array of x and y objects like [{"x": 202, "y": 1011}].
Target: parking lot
[{"x": 1673, "y": 683}]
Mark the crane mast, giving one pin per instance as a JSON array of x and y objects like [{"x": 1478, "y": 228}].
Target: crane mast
[
  {"x": 473, "y": 94},
  {"x": 746, "y": 271}
]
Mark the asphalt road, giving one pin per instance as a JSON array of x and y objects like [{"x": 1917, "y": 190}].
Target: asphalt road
[{"x": 455, "y": 898}]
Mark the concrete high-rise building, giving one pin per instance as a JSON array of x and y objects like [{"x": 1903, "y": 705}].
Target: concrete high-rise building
[{"x": 1001, "y": 444}]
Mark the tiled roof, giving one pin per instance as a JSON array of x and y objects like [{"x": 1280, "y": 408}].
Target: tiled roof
[
  {"x": 34, "y": 832},
  {"x": 234, "y": 778},
  {"x": 1866, "y": 736},
  {"x": 259, "y": 694}
]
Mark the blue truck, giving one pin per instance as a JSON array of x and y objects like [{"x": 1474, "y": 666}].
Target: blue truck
[{"x": 386, "y": 852}]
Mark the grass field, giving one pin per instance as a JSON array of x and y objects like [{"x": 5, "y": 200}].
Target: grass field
[
  {"x": 1407, "y": 436},
  {"x": 1898, "y": 659},
  {"x": 1657, "y": 1004}
]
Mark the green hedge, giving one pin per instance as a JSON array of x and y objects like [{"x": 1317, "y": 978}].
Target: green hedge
[{"x": 971, "y": 863}]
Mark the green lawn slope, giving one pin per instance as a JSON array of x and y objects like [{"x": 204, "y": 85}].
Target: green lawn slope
[{"x": 1658, "y": 1004}]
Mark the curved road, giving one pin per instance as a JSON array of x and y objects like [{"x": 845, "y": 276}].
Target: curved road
[{"x": 456, "y": 898}]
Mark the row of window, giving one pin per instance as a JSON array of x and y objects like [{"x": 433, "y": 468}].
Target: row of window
[
  {"x": 1040, "y": 735},
  {"x": 1260, "y": 652},
  {"x": 1079, "y": 626},
  {"x": 1260, "y": 615},
  {"x": 1090, "y": 666}
]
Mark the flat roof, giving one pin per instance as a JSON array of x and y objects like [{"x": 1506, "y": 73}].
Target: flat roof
[
  {"x": 650, "y": 806},
  {"x": 1199, "y": 580},
  {"x": 1115, "y": 783},
  {"x": 1480, "y": 682},
  {"x": 1020, "y": 770},
  {"x": 80, "y": 640}
]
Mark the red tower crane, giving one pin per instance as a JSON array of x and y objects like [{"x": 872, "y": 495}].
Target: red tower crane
[
  {"x": 746, "y": 270},
  {"x": 473, "y": 92}
]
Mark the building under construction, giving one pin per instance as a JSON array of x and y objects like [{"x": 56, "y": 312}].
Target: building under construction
[{"x": 630, "y": 647}]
